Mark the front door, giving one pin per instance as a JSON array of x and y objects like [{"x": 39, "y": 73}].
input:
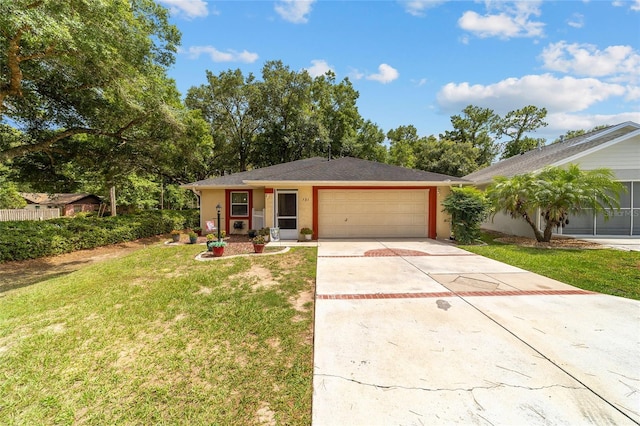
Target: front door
[{"x": 287, "y": 214}]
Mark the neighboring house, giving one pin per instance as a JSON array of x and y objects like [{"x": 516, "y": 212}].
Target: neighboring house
[
  {"x": 69, "y": 204},
  {"x": 616, "y": 148},
  {"x": 338, "y": 198}
]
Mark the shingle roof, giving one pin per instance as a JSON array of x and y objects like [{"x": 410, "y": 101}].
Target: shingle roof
[
  {"x": 318, "y": 169},
  {"x": 44, "y": 198},
  {"x": 537, "y": 159}
]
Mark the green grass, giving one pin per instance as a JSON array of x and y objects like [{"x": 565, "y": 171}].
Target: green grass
[
  {"x": 605, "y": 271},
  {"x": 158, "y": 338}
]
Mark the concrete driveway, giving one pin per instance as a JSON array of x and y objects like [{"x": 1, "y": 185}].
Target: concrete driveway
[{"x": 418, "y": 332}]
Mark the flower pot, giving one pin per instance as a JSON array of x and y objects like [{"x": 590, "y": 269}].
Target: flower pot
[
  {"x": 218, "y": 251},
  {"x": 175, "y": 237},
  {"x": 193, "y": 240},
  {"x": 258, "y": 248},
  {"x": 308, "y": 237}
]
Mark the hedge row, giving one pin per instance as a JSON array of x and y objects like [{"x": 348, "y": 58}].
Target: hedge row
[{"x": 33, "y": 239}]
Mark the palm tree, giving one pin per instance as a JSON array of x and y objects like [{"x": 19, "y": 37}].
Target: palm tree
[{"x": 555, "y": 192}]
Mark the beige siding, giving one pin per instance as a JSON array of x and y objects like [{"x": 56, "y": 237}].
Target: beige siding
[
  {"x": 623, "y": 158},
  {"x": 443, "y": 220},
  {"x": 208, "y": 202},
  {"x": 502, "y": 222}
]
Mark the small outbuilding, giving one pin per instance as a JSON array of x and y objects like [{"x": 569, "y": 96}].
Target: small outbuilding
[
  {"x": 69, "y": 204},
  {"x": 338, "y": 198}
]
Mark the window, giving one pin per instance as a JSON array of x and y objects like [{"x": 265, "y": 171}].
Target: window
[{"x": 240, "y": 204}]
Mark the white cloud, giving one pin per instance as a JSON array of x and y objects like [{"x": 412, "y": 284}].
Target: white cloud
[
  {"x": 633, "y": 5},
  {"x": 216, "y": 55},
  {"x": 355, "y": 74},
  {"x": 576, "y": 20},
  {"x": 618, "y": 63},
  {"x": 386, "y": 74},
  {"x": 187, "y": 8},
  {"x": 319, "y": 67},
  {"x": 511, "y": 19},
  {"x": 418, "y": 7},
  {"x": 294, "y": 11},
  {"x": 565, "y": 94},
  {"x": 559, "y": 123}
]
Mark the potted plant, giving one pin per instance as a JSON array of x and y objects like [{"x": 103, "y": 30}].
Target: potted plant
[
  {"x": 258, "y": 243},
  {"x": 193, "y": 237},
  {"x": 264, "y": 232},
  {"x": 217, "y": 247},
  {"x": 252, "y": 233},
  {"x": 307, "y": 232},
  {"x": 210, "y": 239},
  {"x": 198, "y": 231},
  {"x": 175, "y": 235}
]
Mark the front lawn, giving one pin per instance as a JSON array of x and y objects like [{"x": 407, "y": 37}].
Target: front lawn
[
  {"x": 605, "y": 271},
  {"x": 158, "y": 338}
]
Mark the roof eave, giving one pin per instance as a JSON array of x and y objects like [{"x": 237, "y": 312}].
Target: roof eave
[{"x": 353, "y": 183}]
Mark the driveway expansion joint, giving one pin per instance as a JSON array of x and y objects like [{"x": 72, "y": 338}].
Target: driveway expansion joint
[{"x": 471, "y": 389}]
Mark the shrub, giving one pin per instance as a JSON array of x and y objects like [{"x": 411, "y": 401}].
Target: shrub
[
  {"x": 33, "y": 239},
  {"x": 468, "y": 207}
]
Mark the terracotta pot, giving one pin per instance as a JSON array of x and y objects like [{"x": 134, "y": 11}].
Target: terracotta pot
[{"x": 258, "y": 248}]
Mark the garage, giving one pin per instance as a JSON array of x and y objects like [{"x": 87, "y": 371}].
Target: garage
[{"x": 371, "y": 213}]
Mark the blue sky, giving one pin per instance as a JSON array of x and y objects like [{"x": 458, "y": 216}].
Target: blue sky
[{"x": 419, "y": 62}]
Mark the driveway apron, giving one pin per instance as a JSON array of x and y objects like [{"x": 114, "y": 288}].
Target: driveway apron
[{"x": 415, "y": 332}]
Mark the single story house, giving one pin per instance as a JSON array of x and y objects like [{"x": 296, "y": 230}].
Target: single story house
[
  {"x": 615, "y": 147},
  {"x": 337, "y": 198},
  {"x": 69, "y": 204}
]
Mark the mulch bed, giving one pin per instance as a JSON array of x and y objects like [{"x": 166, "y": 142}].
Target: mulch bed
[
  {"x": 555, "y": 243},
  {"x": 236, "y": 244}
]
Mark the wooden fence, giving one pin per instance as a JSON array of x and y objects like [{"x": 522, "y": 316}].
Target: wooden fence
[{"x": 28, "y": 214}]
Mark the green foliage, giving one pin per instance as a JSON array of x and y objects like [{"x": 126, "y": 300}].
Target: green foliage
[
  {"x": 9, "y": 196},
  {"x": 556, "y": 192},
  {"x": 468, "y": 207},
  {"x": 83, "y": 67},
  {"x": 478, "y": 127},
  {"x": 516, "y": 124},
  {"x": 31, "y": 240}
]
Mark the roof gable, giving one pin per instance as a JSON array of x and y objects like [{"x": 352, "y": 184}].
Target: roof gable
[
  {"x": 44, "y": 198},
  {"x": 558, "y": 153}
]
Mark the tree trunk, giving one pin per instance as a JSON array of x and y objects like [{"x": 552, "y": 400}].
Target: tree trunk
[
  {"x": 539, "y": 236},
  {"x": 112, "y": 195}
]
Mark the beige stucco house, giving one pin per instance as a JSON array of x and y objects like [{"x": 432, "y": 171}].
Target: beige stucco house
[
  {"x": 337, "y": 198},
  {"x": 615, "y": 147}
]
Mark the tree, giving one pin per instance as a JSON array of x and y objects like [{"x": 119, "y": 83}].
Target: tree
[
  {"x": 516, "y": 124},
  {"x": 368, "y": 143},
  {"x": 291, "y": 128},
  {"x": 81, "y": 67},
  {"x": 335, "y": 106},
  {"x": 403, "y": 143},
  {"x": 446, "y": 157},
  {"x": 230, "y": 104},
  {"x": 476, "y": 127},
  {"x": 556, "y": 193}
]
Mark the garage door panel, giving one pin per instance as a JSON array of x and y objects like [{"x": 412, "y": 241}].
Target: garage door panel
[{"x": 373, "y": 213}]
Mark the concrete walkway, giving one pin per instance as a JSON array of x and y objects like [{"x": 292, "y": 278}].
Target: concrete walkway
[{"x": 422, "y": 333}]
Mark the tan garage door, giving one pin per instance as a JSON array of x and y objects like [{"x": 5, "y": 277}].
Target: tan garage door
[{"x": 372, "y": 213}]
